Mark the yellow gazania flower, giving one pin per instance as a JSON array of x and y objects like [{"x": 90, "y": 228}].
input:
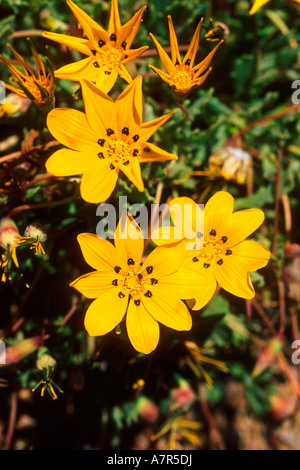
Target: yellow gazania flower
[
  {"x": 182, "y": 76},
  {"x": 260, "y": 3},
  {"x": 37, "y": 85},
  {"x": 108, "y": 138},
  {"x": 121, "y": 283},
  {"x": 225, "y": 257},
  {"x": 107, "y": 51}
]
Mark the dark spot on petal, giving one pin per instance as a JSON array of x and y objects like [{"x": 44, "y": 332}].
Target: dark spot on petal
[
  {"x": 146, "y": 149},
  {"x": 96, "y": 65},
  {"x": 101, "y": 155},
  {"x": 136, "y": 137},
  {"x": 93, "y": 52},
  {"x": 199, "y": 234},
  {"x": 149, "y": 269},
  {"x": 115, "y": 282},
  {"x": 107, "y": 72},
  {"x": 124, "y": 44},
  {"x": 109, "y": 132},
  {"x": 125, "y": 131},
  {"x": 224, "y": 239},
  {"x": 140, "y": 276},
  {"x": 112, "y": 167},
  {"x": 113, "y": 37},
  {"x": 154, "y": 281},
  {"x": 101, "y": 43},
  {"x": 148, "y": 294},
  {"x": 213, "y": 233},
  {"x": 101, "y": 142},
  {"x": 228, "y": 252},
  {"x": 220, "y": 262},
  {"x": 188, "y": 62},
  {"x": 130, "y": 261},
  {"x": 195, "y": 259},
  {"x": 121, "y": 295},
  {"x": 126, "y": 163},
  {"x": 117, "y": 269},
  {"x": 206, "y": 265},
  {"x": 135, "y": 153},
  {"x": 137, "y": 302}
]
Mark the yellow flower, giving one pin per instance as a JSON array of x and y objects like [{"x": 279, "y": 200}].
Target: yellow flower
[
  {"x": 230, "y": 163},
  {"x": 147, "y": 291},
  {"x": 37, "y": 85},
  {"x": 107, "y": 51},
  {"x": 34, "y": 236},
  {"x": 108, "y": 138},
  {"x": 182, "y": 75},
  {"x": 225, "y": 257},
  {"x": 8, "y": 232},
  {"x": 260, "y": 3}
]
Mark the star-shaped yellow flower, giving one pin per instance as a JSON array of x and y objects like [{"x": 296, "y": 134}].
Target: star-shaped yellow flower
[
  {"x": 221, "y": 255},
  {"x": 107, "y": 51},
  {"x": 109, "y": 137},
  {"x": 121, "y": 284},
  {"x": 182, "y": 75},
  {"x": 260, "y": 3},
  {"x": 37, "y": 85}
]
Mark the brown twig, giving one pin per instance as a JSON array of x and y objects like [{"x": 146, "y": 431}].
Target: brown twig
[
  {"x": 46, "y": 176},
  {"x": 264, "y": 317},
  {"x": 25, "y": 33},
  {"x": 37, "y": 148},
  {"x": 215, "y": 435},
  {"x": 12, "y": 421},
  {"x": 39, "y": 205}
]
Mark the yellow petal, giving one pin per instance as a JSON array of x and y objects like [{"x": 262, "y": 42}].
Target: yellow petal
[
  {"x": 192, "y": 50},
  {"x": 99, "y": 108},
  {"x": 173, "y": 42},
  {"x": 187, "y": 216},
  {"x": 165, "y": 59},
  {"x": 163, "y": 75},
  {"x": 251, "y": 254},
  {"x": 94, "y": 284},
  {"x": 66, "y": 162},
  {"x": 234, "y": 278},
  {"x": 217, "y": 212},
  {"x": 165, "y": 260},
  {"x": 167, "y": 309},
  {"x": 98, "y": 182},
  {"x": 106, "y": 81},
  {"x": 77, "y": 134},
  {"x": 129, "y": 30},
  {"x": 241, "y": 224},
  {"x": 129, "y": 241},
  {"x": 83, "y": 69},
  {"x": 257, "y": 5},
  {"x": 155, "y": 154},
  {"x": 148, "y": 128},
  {"x": 206, "y": 282},
  {"x": 129, "y": 107},
  {"x": 133, "y": 173},
  {"x": 166, "y": 235},
  {"x": 114, "y": 19},
  {"x": 143, "y": 330},
  {"x": 73, "y": 42},
  {"x": 105, "y": 313},
  {"x": 100, "y": 254},
  {"x": 89, "y": 26},
  {"x": 200, "y": 68}
]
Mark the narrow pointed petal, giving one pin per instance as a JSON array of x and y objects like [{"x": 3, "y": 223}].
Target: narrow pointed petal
[
  {"x": 67, "y": 162},
  {"x": 166, "y": 61},
  {"x": 98, "y": 253},
  {"x": 257, "y": 5},
  {"x": 129, "y": 241},
  {"x": 77, "y": 71},
  {"x": 99, "y": 108},
  {"x": 173, "y": 42},
  {"x": 242, "y": 224},
  {"x": 133, "y": 173},
  {"x": 78, "y": 44},
  {"x": 148, "y": 128},
  {"x": 105, "y": 313},
  {"x": 98, "y": 182},
  {"x": 156, "y": 154},
  {"x": 129, "y": 107},
  {"x": 217, "y": 211},
  {"x": 94, "y": 284},
  {"x": 143, "y": 330},
  {"x": 200, "y": 68},
  {"x": 170, "y": 312},
  {"x": 123, "y": 72},
  {"x": 199, "y": 81},
  {"x": 84, "y": 20},
  {"x": 129, "y": 30},
  {"x": 134, "y": 53},
  {"x": 77, "y": 135},
  {"x": 114, "y": 19},
  {"x": 163, "y": 75},
  {"x": 192, "y": 50}
]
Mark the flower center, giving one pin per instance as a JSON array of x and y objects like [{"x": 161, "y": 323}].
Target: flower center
[
  {"x": 111, "y": 58},
  {"x": 182, "y": 79},
  {"x": 35, "y": 91},
  {"x": 131, "y": 283},
  {"x": 211, "y": 250},
  {"x": 119, "y": 151}
]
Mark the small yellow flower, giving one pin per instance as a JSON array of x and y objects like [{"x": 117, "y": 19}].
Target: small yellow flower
[
  {"x": 107, "y": 51},
  {"x": 182, "y": 75},
  {"x": 260, "y": 3},
  {"x": 225, "y": 257},
  {"x": 147, "y": 292},
  {"x": 34, "y": 236},
  {"x": 110, "y": 137},
  {"x": 8, "y": 232},
  {"x": 37, "y": 85},
  {"x": 46, "y": 364}
]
